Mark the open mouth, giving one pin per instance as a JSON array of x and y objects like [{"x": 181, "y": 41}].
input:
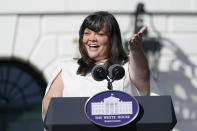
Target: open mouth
[{"x": 94, "y": 46}]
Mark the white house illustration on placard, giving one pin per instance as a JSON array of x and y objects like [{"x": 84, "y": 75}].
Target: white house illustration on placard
[{"x": 111, "y": 106}]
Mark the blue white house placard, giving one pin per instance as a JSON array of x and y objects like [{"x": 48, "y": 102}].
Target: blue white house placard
[{"x": 112, "y": 108}]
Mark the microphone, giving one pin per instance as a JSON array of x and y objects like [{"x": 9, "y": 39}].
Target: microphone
[
  {"x": 99, "y": 73},
  {"x": 116, "y": 72}
]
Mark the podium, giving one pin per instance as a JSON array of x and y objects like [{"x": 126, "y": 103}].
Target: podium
[{"x": 156, "y": 114}]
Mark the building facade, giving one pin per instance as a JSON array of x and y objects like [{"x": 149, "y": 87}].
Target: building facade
[{"x": 111, "y": 106}]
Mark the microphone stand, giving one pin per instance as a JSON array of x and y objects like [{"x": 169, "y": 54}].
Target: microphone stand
[{"x": 109, "y": 85}]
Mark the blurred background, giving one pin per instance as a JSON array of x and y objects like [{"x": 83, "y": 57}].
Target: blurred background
[{"x": 37, "y": 34}]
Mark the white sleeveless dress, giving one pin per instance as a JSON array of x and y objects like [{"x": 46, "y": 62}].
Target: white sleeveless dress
[{"x": 85, "y": 86}]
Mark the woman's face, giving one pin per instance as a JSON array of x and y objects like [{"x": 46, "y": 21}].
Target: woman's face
[{"x": 96, "y": 43}]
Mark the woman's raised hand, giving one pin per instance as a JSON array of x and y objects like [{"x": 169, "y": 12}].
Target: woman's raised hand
[{"x": 135, "y": 43}]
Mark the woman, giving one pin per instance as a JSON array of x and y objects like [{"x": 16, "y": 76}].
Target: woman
[{"x": 100, "y": 43}]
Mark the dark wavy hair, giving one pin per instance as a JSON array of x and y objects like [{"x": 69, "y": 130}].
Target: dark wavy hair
[{"x": 96, "y": 22}]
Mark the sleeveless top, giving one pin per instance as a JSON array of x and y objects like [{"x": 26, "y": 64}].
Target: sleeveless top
[{"x": 85, "y": 86}]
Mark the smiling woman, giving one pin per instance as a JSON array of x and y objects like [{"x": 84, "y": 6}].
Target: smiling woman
[
  {"x": 100, "y": 29},
  {"x": 96, "y": 44},
  {"x": 100, "y": 43}
]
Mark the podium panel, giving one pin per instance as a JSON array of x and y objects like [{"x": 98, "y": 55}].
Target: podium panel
[{"x": 156, "y": 114}]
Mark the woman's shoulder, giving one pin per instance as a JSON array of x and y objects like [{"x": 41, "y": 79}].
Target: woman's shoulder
[
  {"x": 125, "y": 65},
  {"x": 69, "y": 62}
]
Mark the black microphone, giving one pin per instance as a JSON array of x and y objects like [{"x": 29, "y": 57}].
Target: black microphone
[
  {"x": 116, "y": 72},
  {"x": 99, "y": 72}
]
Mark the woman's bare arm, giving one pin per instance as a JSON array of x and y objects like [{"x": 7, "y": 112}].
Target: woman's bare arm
[
  {"x": 138, "y": 64},
  {"x": 55, "y": 90}
]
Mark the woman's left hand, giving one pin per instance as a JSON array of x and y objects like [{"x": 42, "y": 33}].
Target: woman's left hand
[
  {"x": 135, "y": 43},
  {"x": 138, "y": 64}
]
